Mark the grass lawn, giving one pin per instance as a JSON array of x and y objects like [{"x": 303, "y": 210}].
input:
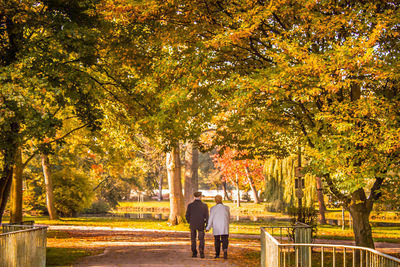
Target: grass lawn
[
  {"x": 236, "y": 227},
  {"x": 246, "y": 208},
  {"x": 66, "y": 256},
  {"x": 385, "y": 216},
  {"x": 380, "y": 234}
]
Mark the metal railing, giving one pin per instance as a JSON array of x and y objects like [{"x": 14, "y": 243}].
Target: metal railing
[
  {"x": 278, "y": 254},
  {"x": 270, "y": 254},
  {"x": 23, "y": 246}
]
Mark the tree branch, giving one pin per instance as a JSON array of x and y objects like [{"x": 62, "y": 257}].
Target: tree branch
[
  {"x": 346, "y": 200},
  {"x": 55, "y": 140}
]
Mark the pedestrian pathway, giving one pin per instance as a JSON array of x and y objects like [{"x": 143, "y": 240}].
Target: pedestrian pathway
[
  {"x": 152, "y": 254},
  {"x": 125, "y": 247}
]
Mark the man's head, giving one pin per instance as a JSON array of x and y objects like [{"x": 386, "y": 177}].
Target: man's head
[
  {"x": 218, "y": 199},
  {"x": 197, "y": 195}
]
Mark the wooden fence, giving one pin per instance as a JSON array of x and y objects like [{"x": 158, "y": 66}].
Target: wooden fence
[{"x": 23, "y": 246}]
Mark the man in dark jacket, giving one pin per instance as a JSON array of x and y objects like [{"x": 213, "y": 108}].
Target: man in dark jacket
[{"x": 197, "y": 217}]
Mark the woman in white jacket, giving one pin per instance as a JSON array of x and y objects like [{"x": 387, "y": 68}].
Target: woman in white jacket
[{"x": 219, "y": 221}]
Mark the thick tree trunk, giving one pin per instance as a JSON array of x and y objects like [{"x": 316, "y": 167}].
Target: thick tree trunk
[
  {"x": 195, "y": 169},
  {"x": 177, "y": 210},
  {"x": 321, "y": 203},
  {"x": 191, "y": 168},
  {"x": 252, "y": 186},
  {"x": 5, "y": 187},
  {"x": 9, "y": 152},
  {"x": 16, "y": 190},
  {"x": 360, "y": 212},
  {"x": 48, "y": 180}
]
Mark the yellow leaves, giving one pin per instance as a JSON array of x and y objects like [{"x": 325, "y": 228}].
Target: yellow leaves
[
  {"x": 376, "y": 34},
  {"x": 237, "y": 36}
]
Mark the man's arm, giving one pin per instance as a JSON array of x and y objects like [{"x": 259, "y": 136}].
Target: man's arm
[
  {"x": 207, "y": 214},
  {"x": 188, "y": 213}
]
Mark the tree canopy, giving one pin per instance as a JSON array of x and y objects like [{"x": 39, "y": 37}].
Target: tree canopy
[
  {"x": 263, "y": 77},
  {"x": 320, "y": 74}
]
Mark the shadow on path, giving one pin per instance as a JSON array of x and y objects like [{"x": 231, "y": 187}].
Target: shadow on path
[{"x": 152, "y": 255}]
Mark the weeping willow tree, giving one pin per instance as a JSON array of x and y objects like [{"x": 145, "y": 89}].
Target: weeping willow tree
[{"x": 279, "y": 184}]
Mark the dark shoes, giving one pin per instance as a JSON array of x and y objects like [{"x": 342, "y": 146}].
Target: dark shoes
[
  {"x": 194, "y": 255},
  {"x": 225, "y": 255}
]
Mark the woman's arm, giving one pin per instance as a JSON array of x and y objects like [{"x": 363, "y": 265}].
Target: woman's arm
[{"x": 210, "y": 219}]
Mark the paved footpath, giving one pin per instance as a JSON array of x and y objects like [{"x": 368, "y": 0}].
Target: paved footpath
[
  {"x": 151, "y": 255},
  {"x": 167, "y": 248},
  {"x": 172, "y": 248}
]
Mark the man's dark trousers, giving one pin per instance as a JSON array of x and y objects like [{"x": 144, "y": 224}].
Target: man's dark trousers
[
  {"x": 197, "y": 216},
  {"x": 201, "y": 234}
]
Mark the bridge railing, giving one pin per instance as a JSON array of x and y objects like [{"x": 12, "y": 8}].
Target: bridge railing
[
  {"x": 278, "y": 254},
  {"x": 23, "y": 246}
]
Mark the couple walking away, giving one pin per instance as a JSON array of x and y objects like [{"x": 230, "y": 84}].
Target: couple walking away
[{"x": 199, "y": 220}]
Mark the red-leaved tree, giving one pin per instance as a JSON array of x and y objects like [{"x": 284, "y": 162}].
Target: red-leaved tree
[{"x": 239, "y": 171}]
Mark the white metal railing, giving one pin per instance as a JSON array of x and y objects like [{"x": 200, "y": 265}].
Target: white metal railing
[
  {"x": 299, "y": 233},
  {"x": 276, "y": 254},
  {"x": 23, "y": 246}
]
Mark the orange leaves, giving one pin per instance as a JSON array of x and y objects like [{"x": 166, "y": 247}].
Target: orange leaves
[
  {"x": 232, "y": 164},
  {"x": 97, "y": 168}
]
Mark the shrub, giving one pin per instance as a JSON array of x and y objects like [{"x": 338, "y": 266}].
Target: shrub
[
  {"x": 308, "y": 215},
  {"x": 72, "y": 192},
  {"x": 98, "y": 207},
  {"x": 275, "y": 206},
  {"x": 34, "y": 194}
]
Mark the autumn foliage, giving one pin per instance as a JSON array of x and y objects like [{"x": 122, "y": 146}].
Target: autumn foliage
[{"x": 235, "y": 168}]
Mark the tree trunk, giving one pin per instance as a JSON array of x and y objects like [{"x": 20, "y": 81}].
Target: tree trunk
[
  {"x": 321, "y": 203},
  {"x": 160, "y": 186},
  {"x": 177, "y": 210},
  {"x": 238, "y": 191},
  {"x": 252, "y": 186},
  {"x": 48, "y": 180},
  {"x": 16, "y": 190},
  {"x": 8, "y": 156},
  {"x": 190, "y": 171},
  {"x": 5, "y": 187},
  {"x": 195, "y": 170},
  {"x": 226, "y": 196},
  {"x": 360, "y": 212}
]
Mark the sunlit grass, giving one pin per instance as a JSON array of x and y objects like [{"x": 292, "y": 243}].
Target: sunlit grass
[
  {"x": 66, "y": 256},
  {"x": 383, "y": 234},
  {"x": 380, "y": 234},
  {"x": 246, "y": 208},
  {"x": 386, "y": 216},
  {"x": 236, "y": 227},
  {"x": 111, "y": 222}
]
